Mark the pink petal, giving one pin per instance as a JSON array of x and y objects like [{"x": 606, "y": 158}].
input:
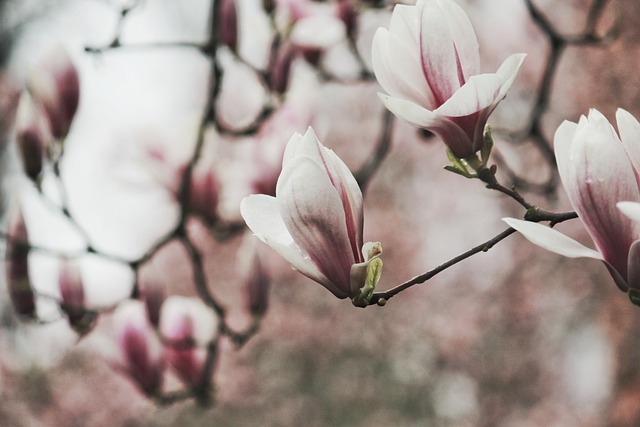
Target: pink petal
[
  {"x": 262, "y": 215},
  {"x": 598, "y": 175},
  {"x": 448, "y": 47},
  {"x": 313, "y": 213},
  {"x": 453, "y": 135}
]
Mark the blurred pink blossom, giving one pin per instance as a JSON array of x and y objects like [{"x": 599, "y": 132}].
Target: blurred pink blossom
[
  {"x": 428, "y": 62},
  {"x": 141, "y": 350},
  {"x": 17, "y": 265},
  {"x": 55, "y": 84},
  {"x": 32, "y": 135},
  {"x": 187, "y": 325},
  {"x": 598, "y": 169},
  {"x": 316, "y": 219}
]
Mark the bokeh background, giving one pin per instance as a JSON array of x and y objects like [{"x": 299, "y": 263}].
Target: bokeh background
[{"x": 513, "y": 337}]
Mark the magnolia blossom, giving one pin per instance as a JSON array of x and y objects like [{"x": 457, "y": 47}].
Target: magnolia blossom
[
  {"x": 598, "y": 169},
  {"x": 315, "y": 221},
  {"x": 187, "y": 325},
  {"x": 428, "y": 63},
  {"x": 141, "y": 350},
  {"x": 56, "y": 86}
]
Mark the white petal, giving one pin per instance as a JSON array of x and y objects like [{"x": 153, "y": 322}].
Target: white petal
[
  {"x": 313, "y": 212},
  {"x": 630, "y": 209},
  {"x": 629, "y": 129},
  {"x": 562, "y": 141},
  {"x": 508, "y": 72},
  {"x": 551, "y": 240},
  {"x": 262, "y": 215},
  {"x": 478, "y": 93}
]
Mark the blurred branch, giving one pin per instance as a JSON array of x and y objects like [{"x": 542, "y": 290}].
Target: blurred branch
[
  {"x": 366, "y": 172},
  {"x": 558, "y": 44}
]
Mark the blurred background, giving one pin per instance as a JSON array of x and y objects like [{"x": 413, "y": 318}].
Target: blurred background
[{"x": 513, "y": 337}]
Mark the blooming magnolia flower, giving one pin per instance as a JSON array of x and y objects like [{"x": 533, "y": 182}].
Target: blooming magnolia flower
[
  {"x": 428, "y": 63},
  {"x": 315, "y": 221},
  {"x": 598, "y": 169}
]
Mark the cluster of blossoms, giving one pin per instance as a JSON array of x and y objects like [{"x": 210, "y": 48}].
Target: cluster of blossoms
[{"x": 310, "y": 206}]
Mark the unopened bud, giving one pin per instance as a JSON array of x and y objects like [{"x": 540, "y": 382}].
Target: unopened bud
[
  {"x": 56, "y": 86},
  {"x": 186, "y": 325},
  {"x": 32, "y": 136},
  {"x": 257, "y": 287},
  {"x": 347, "y": 14},
  {"x": 228, "y": 24},
  {"x": 72, "y": 297},
  {"x": 280, "y": 67},
  {"x": 152, "y": 291},
  {"x": 17, "y": 266},
  {"x": 204, "y": 193},
  {"x": 140, "y": 347}
]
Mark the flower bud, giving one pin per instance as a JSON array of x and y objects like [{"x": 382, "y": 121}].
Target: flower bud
[
  {"x": 280, "y": 67},
  {"x": 186, "y": 325},
  {"x": 56, "y": 86},
  {"x": 32, "y": 136},
  {"x": 347, "y": 14},
  {"x": 72, "y": 297},
  {"x": 228, "y": 24},
  {"x": 204, "y": 193},
  {"x": 17, "y": 267},
  {"x": 152, "y": 292},
  {"x": 140, "y": 348},
  {"x": 256, "y": 288}
]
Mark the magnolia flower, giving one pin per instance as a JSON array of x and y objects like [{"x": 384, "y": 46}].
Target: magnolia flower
[
  {"x": 315, "y": 221},
  {"x": 186, "y": 326},
  {"x": 17, "y": 265},
  {"x": 598, "y": 169},
  {"x": 141, "y": 350},
  {"x": 56, "y": 86},
  {"x": 428, "y": 63}
]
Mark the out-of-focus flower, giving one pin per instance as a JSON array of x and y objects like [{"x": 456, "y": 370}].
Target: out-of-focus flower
[
  {"x": 428, "y": 63},
  {"x": 54, "y": 83},
  {"x": 256, "y": 287},
  {"x": 17, "y": 266},
  {"x": 347, "y": 14},
  {"x": 153, "y": 292},
  {"x": 140, "y": 347},
  {"x": 598, "y": 169},
  {"x": 72, "y": 296},
  {"x": 316, "y": 219},
  {"x": 280, "y": 67},
  {"x": 227, "y": 25},
  {"x": 187, "y": 325},
  {"x": 313, "y": 34},
  {"x": 204, "y": 192},
  {"x": 32, "y": 135}
]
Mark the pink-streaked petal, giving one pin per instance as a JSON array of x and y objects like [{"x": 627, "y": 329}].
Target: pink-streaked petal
[
  {"x": 551, "y": 240},
  {"x": 262, "y": 215},
  {"x": 630, "y": 209},
  {"x": 599, "y": 175},
  {"x": 351, "y": 197},
  {"x": 452, "y": 134},
  {"x": 464, "y": 36},
  {"x": 479, "y": 92},
  {"x": 308, "y": 146},
  {"x": 388, "y": 51},
  {"x": 441, "y": 48},
  {"x": 313, "y": 213},
  {"x": 629, "y": 129}
]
